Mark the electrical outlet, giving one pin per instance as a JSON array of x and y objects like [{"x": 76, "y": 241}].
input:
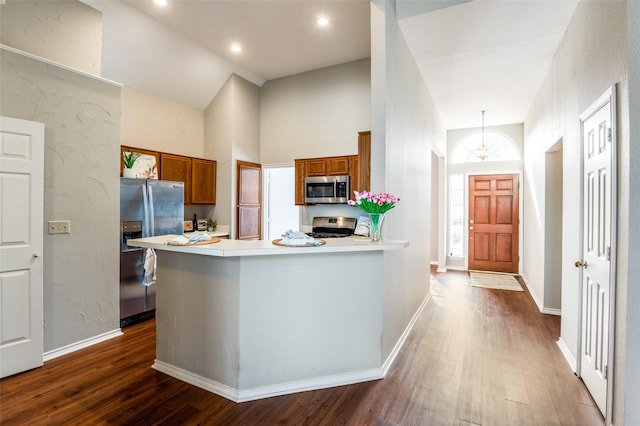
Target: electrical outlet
[{"x": 59, "y": 227}]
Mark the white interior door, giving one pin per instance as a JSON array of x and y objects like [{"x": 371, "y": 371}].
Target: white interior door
[
  {"x": 21, "y": 229},
  {"x": 598, "y": 189}
]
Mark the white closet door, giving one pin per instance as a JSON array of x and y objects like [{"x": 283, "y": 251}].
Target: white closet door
[{"x": 21, "y": 234}]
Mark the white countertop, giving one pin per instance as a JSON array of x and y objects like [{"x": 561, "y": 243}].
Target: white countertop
[{"x": 231, "y": 248}]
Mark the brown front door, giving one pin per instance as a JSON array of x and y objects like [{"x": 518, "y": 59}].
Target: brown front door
[
  {"x": 493, "y": 223},
  {"x": 249, "y": 200}
]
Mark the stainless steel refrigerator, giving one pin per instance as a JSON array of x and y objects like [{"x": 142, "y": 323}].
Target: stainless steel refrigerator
[{"x": 148, "y": 207}]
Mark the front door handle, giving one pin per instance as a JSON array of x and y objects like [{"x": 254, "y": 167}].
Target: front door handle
[{"x": 581, "y": 264}]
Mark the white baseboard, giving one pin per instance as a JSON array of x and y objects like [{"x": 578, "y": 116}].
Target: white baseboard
[
  {"x": 261, "y": 392},
  {"x": 456, "y": 268},
  {"x": 567, "y": 354},
  {"x": 396, "y": 349},
  {"x": 538, "y": 302},
  {"x": 434, "y": 262},
  {"x": 55, "y": 353},
  {"x": 443, "y": 269},
  {"x": 533, "y": 294}
]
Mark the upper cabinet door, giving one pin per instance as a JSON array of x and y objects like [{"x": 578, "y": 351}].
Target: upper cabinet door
[
  {"x": 317, "y": 167},
  {"x": 203, "y": 181},
  {"x": 337, "y": 166},
  {"x": 354, "y": 174},
  {"x": 177, "y": 168}
]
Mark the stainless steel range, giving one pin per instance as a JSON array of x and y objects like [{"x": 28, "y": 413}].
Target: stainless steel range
[{"x": 333, "y": 227}]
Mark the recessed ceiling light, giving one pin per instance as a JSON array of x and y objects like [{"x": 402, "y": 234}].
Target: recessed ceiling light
[
  {"x": 160, "y": 2},
  {"x": 323, "y": 21},
  {"x": 236, "y": 48}
]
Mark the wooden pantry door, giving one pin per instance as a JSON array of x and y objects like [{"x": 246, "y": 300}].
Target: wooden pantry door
[
  {"x": 493, "y": 223},
  {"x": 249, "y": 217}
]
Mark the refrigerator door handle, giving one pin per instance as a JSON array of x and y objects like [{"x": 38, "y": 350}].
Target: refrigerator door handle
[
  {"x": 146, "y": 216},
  {"x": 152, "y": 214}
]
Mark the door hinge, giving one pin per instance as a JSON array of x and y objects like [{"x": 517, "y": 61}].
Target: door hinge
[
  {"x": 605, "y": 372},
  {"x": 609, "y": 134},
  {"x": 608, "y": 252}
]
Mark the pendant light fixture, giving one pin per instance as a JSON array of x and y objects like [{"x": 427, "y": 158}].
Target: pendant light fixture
[{"x": 482, "y": 152}]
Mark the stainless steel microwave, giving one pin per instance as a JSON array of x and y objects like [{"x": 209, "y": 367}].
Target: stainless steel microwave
[{"x": 326, "y": 190}]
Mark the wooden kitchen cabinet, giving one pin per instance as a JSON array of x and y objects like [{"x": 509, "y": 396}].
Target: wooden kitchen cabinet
[
  {"x": 357, "y": 167},
  {"x": 316, "y": 167},
  {"x": 177, "y": 168},
  {"x": 354, "y": 172},
  {"x": 301, "y": 173},
  {"x": 364, "y": 161},
  {"x": 337, "y": 166},
  {"x": 203, "y": 181}
]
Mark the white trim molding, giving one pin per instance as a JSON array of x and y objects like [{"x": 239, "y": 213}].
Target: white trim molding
[
  {"x": 567, "y": 354},
  {"x": 396, "y": 349},
  {"x": 55, "y": 353},
  {"x": 261, "y": 392}
]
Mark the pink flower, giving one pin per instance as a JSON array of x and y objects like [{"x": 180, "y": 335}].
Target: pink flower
[{"x": 374, "y": 203}]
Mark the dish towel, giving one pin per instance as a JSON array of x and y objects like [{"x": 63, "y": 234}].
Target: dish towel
[
  {"x": 194, "y": 237},
  {"x": 150, "y": 265},
  {"x": 296, "y": 238}
]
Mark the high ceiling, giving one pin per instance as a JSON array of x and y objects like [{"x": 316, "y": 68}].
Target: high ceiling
[
  {"x": 487, "y": 55},
  {"x": 480, "y": 54},
  {"x": 279, "y": 38}
]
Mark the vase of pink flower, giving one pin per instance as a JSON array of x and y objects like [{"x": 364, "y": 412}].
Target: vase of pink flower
[{"x": 376, "y": 205}]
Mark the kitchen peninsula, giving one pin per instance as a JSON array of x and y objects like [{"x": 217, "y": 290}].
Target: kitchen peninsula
[{"x": 249, "y": 319}]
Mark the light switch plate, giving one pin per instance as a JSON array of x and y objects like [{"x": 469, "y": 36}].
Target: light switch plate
[{"x": 59, "y": 227}]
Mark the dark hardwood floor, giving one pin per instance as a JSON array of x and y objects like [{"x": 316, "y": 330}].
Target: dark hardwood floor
[{"x": 475, "y": 357}]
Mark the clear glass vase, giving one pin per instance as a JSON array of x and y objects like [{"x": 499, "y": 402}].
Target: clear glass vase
[{"x": 376, "y": 225}]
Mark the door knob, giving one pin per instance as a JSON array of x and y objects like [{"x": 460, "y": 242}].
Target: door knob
[
  {"x": 581, "y": 264},
  {"x": 36, "y": 255},
  {"x": 471, "y": 228}
]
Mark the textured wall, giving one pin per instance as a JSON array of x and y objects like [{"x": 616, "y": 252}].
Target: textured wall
[
  {"x": 315, "y": 114},
  {"x": 67, "y": 32},
  {"x": 81, "y": 184},
  {"x": 160, "y": 124}
]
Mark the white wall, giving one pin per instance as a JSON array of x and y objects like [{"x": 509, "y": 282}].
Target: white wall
[
  {"x": 413, "y": 126},
  {"x": 232, "y": 133},
  {"x": 160, "y": 124},
  {"x": 627, "y": 382},
  {"x": 82, "y": 184},
  {"x": 553, "y": 232},
  {"x": 50, "y": 30},
  {"x": 435, "y": 206},
  {"x": 591, "y": 58},
  {"x": 315, "y": 114}
]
